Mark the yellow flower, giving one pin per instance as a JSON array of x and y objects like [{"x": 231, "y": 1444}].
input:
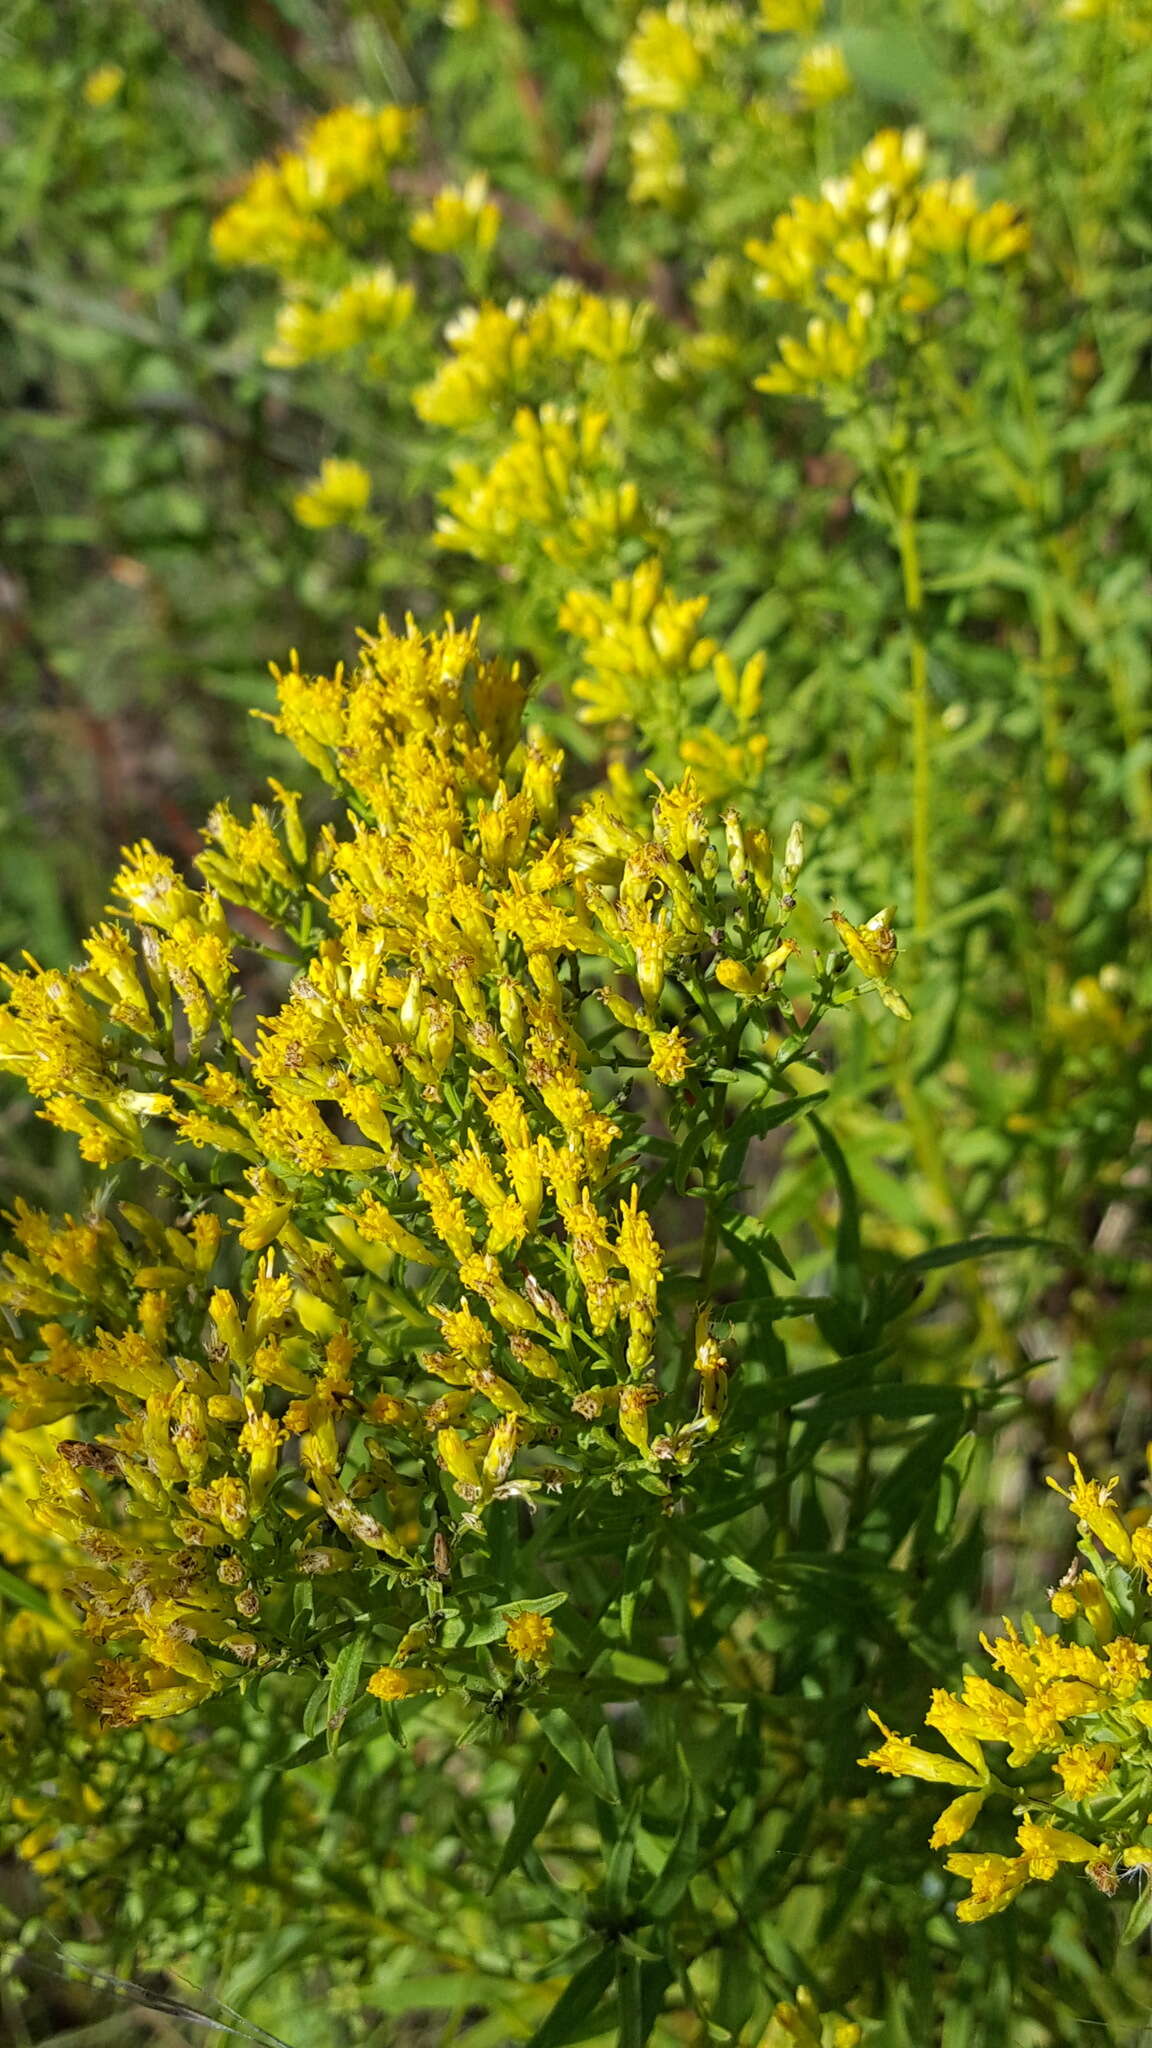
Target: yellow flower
[
  {"x": 956, "y": 1819},
  {"x": 1090, "y": 1502},
  {"x": 754, "y": 981},
  {"x": 983, "y": 1714},
  {"x": 663, "y": 61},
  {"x": 995, "y": 1882},
  {"x": 791, "y": 17},
  {"x": 803, "y": 2024},
  {"x": 871, "y": 255},
  {"x": 389, "y": 1684},
  {"x": 1142, "y": 1551},
  {"x": 101, "y": 86},
  {"x": 1045, "y": 1848},
  {"x": 1086, "y": 1768},
  {"x": 367, "y": 309},
  {"x": 337, "y": 497},
  {"x": 901, "y": 1758},
  {"x": 659, "y": 176},
  {"x": 529, "y": 1637},
  {"x": 550, "y": 478},
  {"x": 832, "y": 353},
  {"x": 669, "y": 1059},
  {"x": 822, "y": 75},
  {"x": 1126, "y": 1662},
  {"x": 460, "y": 217},
  {"x": 277, "y": 219},
  {"x": 639, "y": 637}
]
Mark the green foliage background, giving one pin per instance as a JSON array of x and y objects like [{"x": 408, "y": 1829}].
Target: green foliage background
[{"x": 433, "y": 1879}]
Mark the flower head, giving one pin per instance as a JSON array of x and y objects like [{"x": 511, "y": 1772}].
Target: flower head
[{"x": 529, "y": 1637}]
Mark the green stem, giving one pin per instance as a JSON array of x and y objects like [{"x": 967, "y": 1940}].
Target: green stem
[
  {"x": 920, "y": 717},
  {"x": 1132, "y": 730},
  {"x": 1052, "y": 741}
]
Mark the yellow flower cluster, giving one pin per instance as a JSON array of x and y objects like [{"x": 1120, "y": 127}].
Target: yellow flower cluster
[
  {"x": 871, "y": 257},
  {"x": 280, "y": 219},
  {"x": 498, "y": 352},
  {"x": 553, "y": 487},
  {"x": 663, "y": 71},
  {"x": 553, "y": 484},
  {"x": 461, "y": 219},
  {"x": 642, "y": 648},
  {"x": 791, "y": 17},
  {"x": 1079, "y": 1701},
  {"x": 390, "y": 1261},
  {"x": 639, "y": 637},
  {"x": 337, "y": 497},
  {"x": 368, "y": 309},
  {"x": 667, "y": 51},
  {"x": 822, "y": 75}
]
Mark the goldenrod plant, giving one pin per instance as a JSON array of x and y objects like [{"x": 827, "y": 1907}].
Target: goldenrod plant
[
  {"x": 503, "y": 1029},
  {"x": 1074, "y": 1727},
  {"x": 424, "y": 1366}
]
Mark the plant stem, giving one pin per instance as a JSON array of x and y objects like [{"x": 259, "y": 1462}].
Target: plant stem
[
  {"x": 1055, "y": 758},
  {"x": 907, "y": 496}
]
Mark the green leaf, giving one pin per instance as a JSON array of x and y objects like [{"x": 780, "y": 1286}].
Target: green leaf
[
  {"x": 668, "y": 1887},
  {"x": 536, "y": 1795},
  {"x": 953, "y": 1474},
  {"x": 761, "y": 1117},
  {"x": 640, "y": 1988},
  {"x": 745, "y": 1575},
  {"x": 1140, "y": 1918},
  {"x": 343, "y": 1687},
  {"x": 22, "y": 1594},
  {"x": 849, "y": 1282},
  {"x": 976, "y": 1248},
  {"x": 578, "y": 2002},
  {"x": 315, "y": 1714},
  {"x": 594, "y": 1765}
]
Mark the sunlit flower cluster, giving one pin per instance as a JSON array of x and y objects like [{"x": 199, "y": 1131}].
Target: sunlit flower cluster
[
  {"x": 337, "y": 497},
  {"x": 641, "y": 654},
  {"x": 1072, "y": 1718},
  {"x": 871, "y": 257},
  {"x": 664, "y": 70},
  {"x": 822, "y": 75},
  {"x": 281, "y": 219},
  {"x": 364, "y": 312},
  {"x": 498, "y": 355},
  {"x": 388, "y": 1255},
  {"x": 556, "y": 484},
  {"x": 667, "y": 52},
  {"x": 461, "y": 219}
]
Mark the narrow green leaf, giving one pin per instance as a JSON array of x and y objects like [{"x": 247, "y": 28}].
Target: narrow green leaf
[
  {"x": 23, "y": 1595},
  {"x": 670, "y": 1884},
  {"x": 849, "y": 1281},
  {"x": 1140, "y": 1918},
  {"x": 568, "y": 2021},
  {"x": 536, "y": 1795},
  {"x": 975, "y": 1248},
  {"x": 572, "y": 1744},
  {"x": 744, "y": 1574},
  {"x": 343, "y": 1686},
  {"x": 640, "y": 1988}
]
